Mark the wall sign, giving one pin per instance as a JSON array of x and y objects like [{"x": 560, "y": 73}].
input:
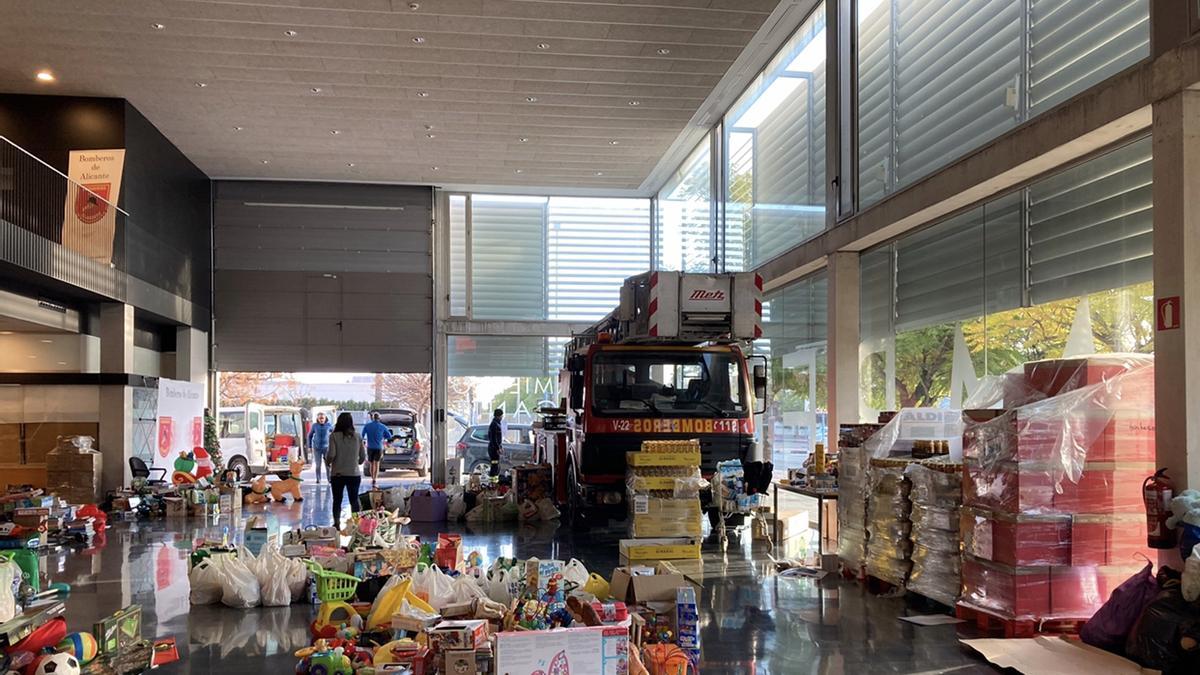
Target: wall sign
[{"x": 1169, "y": 312}]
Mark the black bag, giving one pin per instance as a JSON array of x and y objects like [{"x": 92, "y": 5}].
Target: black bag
[{"x": 1166, "y": 636}]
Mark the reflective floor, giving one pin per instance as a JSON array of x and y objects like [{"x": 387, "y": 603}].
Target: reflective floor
[{"x": 754, "y": 621}]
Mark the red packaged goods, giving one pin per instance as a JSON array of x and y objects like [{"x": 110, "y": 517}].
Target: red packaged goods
[
  {"x": 1056, "y": 376},
  {"x": 1010, "y": 591},
  {"x": 1080, "y": 591},
  {"x": 1030, "y": 434},
  {"x": 1108, "y": 540},
  {"x": 1032, "y": 488},
  {"x": 1024, "y": 540}
]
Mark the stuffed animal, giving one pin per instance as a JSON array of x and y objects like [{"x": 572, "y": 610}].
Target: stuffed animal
[
  {"x": 185, "y": 470},
  {"x": 258, "y": 491},
  {"x": 290, "y": 485},
  {"x": 204, "y": 463}
]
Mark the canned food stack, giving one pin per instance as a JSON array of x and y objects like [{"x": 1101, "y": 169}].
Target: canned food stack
[
  {"x": 1053, "y": 515},
  {"x": 853, "y": 462},
  {"x": 889, "y": 524},
  {"x": 663, "y": 482},
  {"x": 936, "y": 497}
]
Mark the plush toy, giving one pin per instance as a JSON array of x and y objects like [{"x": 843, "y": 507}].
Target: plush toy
[
  {"x": 80, "y": 645},
  {"x": 290, "y": 485},
  {"x": 204, "y": 463},
  {"x": 258, "y": 491}
]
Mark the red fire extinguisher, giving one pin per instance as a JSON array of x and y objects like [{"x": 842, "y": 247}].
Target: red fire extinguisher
[{"x": 1157, "y": 492}]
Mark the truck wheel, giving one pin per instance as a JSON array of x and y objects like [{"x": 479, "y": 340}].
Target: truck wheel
[
  {"x": 240, "y": 468},
  {"x": 576, "y": 514}
]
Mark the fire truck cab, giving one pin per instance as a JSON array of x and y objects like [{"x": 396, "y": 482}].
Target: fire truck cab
[{"x": 668, "y": 363}]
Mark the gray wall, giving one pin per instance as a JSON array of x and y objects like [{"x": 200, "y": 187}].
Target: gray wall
[{"x": 323, "y": 277}]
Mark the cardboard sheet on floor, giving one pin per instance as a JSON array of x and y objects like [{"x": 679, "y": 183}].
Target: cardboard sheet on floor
[
  {"x": 1045, "y": 655},
  {"x": 932, "y": 619}
]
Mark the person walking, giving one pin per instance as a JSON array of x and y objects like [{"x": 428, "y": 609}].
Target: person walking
[
  {"x": 344, "y": 458},
  {"x": 495, "y": 440},
  {"x": 318, "y": 440},
  {"x": 376, "y": 434}
]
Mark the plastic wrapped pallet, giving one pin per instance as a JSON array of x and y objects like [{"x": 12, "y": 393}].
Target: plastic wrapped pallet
[
  {"x": 889, "y": 546},
  {"x": 852, "y": 506},
  {"x": 663, "y": 482},
  {"x": 936, "y": 497}
]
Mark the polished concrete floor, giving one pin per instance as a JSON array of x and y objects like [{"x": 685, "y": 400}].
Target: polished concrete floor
[{"x": 753, "y": 621}]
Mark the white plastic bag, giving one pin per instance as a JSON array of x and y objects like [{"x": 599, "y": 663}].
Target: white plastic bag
[
  {"x": 205, "y": 580},
  {"x": 274, "y": 589},
  {"x": 499, "y": 584},
  {"x": 1191, "y": 575},
  {"x": 297, "y": 579},
  {"x": 457, "y": 508},
  {"x": 575, "y": 574},
  {"x": 431, "y": 582},
  {"x": 547, "y": 510},
  {"x": 8, "y": 602},
  {"x": 239, "y": 586},
  {"x": 466, "y": 589}
]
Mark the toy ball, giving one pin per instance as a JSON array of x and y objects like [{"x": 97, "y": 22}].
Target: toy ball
[
  {"x": 56, "y": 664},
  {"x": 82, "y": 646}
]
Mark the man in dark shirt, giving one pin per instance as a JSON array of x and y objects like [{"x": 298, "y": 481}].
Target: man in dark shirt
[{"x": 495, "y": 440}]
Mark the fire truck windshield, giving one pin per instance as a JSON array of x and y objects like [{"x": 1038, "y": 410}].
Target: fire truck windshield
[{"x": 670, "y": 383}]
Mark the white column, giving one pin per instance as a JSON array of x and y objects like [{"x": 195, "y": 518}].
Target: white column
[
  {"x": 842, "y": 339},
  {"x": 1177, "y": 274},
  {"x": 116, "y": 400}
]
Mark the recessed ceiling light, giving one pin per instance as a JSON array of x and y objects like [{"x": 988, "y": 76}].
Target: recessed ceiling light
[
  {"x": 62, "y": 363},
  {"x": 599, "y": 173},
  {"x": 428, "y": 127},
  {"x": 238, "y": 128},
  {"x": 436, "y": 168},
  {"x": 157, "y": 26},
  {"x": 45, "y": 76},
  {"x": 6, "y": 332},
  {"x": 531, "y": 99},
  {"x": 635, "y": 103},
  {"x": 430, "y": 136},
  {"x": 663, "y": 51},
  {"x": 520, "y": 171},
  {"x": 201, "y": 85},
  {"x": 350, "y": 164},
  {"x": 335, "y": 132},
  {"x": 614, "y": 142},
  {"x": 266, "y": 161},
  {"x": 423, "y": 94},
  {"x": 418, "y": 40},
  {"x": 290, "y": 33},
  {"x": 524, "y": 140},
  {"x": 315, "y": 90},
  {"x": 414, "y": 6},
  {"x": 543, "y": 45},
  {"x": 47, "y": 342}
]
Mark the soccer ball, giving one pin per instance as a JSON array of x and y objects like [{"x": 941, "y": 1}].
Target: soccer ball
[{"x": 57, "y": 664}]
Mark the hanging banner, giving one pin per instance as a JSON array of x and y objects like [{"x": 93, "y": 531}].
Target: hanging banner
[
  {"x": 89, "y": 218},
  {"x": 180, "y": 420}
]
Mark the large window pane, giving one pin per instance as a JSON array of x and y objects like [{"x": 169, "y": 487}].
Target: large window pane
[
  {"x": 775, "y": 141},
  {"x": 508, "y": 256},
  {"x": 458, "y": 255},
  {"x": 592, "y": 246},
  {"x": 938, "y": 79},
  {"x": 683, "y": 236}
]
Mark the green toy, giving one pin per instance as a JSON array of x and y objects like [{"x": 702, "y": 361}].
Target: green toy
[{"x": 27, "y": 561}]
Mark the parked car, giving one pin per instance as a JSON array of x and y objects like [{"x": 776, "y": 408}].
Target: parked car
[
  {"x": 516, "y": 449},
  {"x": 409, "y": 445}
]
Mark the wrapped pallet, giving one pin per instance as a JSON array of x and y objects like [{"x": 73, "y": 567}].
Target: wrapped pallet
[
  {"x": 664, "y": 483},
  {"x": 936, "y": 497},
  {"x": 889, "y": 509},
  {"x": 852, "y": 507}
]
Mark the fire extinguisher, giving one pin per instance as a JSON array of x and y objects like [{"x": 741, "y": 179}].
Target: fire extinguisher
[{"x": 1157, "y": 492}]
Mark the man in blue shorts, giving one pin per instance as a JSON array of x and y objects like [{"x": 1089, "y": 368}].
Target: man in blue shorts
[{"x": 375, "y": 434}]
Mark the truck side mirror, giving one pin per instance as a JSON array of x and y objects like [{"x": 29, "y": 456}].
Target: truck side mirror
[
  {"x": 576, "y": 401},
  {"x": 760, "y": 382}
]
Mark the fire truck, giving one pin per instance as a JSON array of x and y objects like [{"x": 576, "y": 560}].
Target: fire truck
[{"x": 670, "y": 362}]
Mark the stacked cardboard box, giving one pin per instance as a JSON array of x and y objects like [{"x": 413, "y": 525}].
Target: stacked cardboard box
[
  {"x": 1052, "y": 490},
  {"x": 73, "y": 470},
  {"x": 936, "y": 543},
  {"x": 663, "y": 490},
  {"x": 889, "y": 524},
  {"x": 853, "y": 461}
]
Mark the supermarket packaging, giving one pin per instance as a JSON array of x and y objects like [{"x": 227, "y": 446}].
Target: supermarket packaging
[
  {"x": 663, "y": 548},
  {"x": 73, "y": 470},
  {"x": 911, "y": 426},
  {"x": 459, "y": 634},
  {"x": 659, "y": 517},
  {"x": 1031, "y": 487},
  {"x": 687, "y": 622},
  {"x": 1080, "y": 539},
  {"x": 889, "y": 548},
  {"x": 633, "y": 584},
  {"x": 936, "y": 497},
  {"x": 853, "y": 466},
  {"x": 1040, "y": 592}
]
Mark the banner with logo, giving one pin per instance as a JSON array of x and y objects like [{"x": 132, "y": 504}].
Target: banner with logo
[
  {"x": 180, "y": 420},
  {"x": 89, "y": 219}
]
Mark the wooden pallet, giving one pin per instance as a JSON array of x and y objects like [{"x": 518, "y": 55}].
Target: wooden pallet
[
  {"x": 853, "y": 573},
  {"x": 995, "y": 624},
  {"x": 877, "y": 586}
]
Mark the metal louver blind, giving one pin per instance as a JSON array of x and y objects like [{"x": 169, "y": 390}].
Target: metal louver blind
[
  {"x": 876, "y": 291},
  {"x": 496, "y": 356},
  {"x": 592, "y": 246},
  {"x": 798, "y": 314},
  {"x": 874, "y": 101},
  {"x": 1076, "y": 44},
  {"x": 508, "y": 273},
  {"x": 458, "y": 255},
  {"x": 739, "y": 179},
  {"x": 1091, "y": 227},
  {"x": 956, "y": 64},
  {"x": 961, "y": 268},
  {"x": 683, "y": 236}
]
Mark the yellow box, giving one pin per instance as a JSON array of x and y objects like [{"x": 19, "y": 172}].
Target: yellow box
[
  {"x": 690, "y": 445},
  {"x": 667, "y": 548},
  {"x": 663, "y": 458},
  {"x": 646, "y": 526}
]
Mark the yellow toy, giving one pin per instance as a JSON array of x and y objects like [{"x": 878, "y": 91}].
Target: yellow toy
[
  {"x": 390, "y": 602},
  {"x": 336, "y": 619},
  {"x": 289, "y": 486},
  {"x": 387, "y": 653},
  {"x": 258, "y": 491}
]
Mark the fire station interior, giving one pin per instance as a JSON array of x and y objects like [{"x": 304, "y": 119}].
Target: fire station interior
[{"x": 548, "y": 336}]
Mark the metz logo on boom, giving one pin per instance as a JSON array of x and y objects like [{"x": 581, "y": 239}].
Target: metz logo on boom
[{"x": 701, "y": 294}]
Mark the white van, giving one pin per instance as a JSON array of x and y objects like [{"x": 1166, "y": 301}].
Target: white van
[{"x": 258, "y": 439}]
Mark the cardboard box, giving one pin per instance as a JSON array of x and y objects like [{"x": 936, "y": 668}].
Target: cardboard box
[
  {"x": 656, "y": 517},
  {"x": 632, "y": 588},
  {"x": 448, "y": 554},
  {"x": 262, "y": 529},
  {"x": 639, "y": 459},
  {"x": 459, "y": 634},
  {"x": 594, "y": 650},
  {"x": 175, "y": 507},
  {"x": 460, "y": 662},
  {"x": 667, "y": 548}
]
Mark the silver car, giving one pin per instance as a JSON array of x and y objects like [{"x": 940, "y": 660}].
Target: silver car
[{"x": 516, "y": 450}]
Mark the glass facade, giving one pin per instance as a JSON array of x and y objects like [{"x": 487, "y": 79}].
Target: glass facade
[
  {"x": 1060, "y": 268},
  {"x": 683, "y": 233},
  {"x": 774, "y": 170},
  {"x": 938, "y": 79}
]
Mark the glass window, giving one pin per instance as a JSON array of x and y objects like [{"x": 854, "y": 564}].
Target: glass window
[
  {"x": 592, "y": 245},
  {"x": 508, "y": 269},
  {"x": 938, "y": 79},
  {"x": 272, "y": 424},
  {"x": 944, "y": 307},
  {"x": 233, "y": 424},
  {"x": 794, "y": 332},
  {"x": 679, "y": 383},
  {"x": 683, "y": 238},
  {"x": 288, "y": 425},
  {"x": 458, "y": 255},
  {"x": 775, "y": 153}
]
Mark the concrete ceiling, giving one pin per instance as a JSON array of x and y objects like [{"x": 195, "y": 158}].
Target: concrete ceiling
[{"x": 447, "y": 84}]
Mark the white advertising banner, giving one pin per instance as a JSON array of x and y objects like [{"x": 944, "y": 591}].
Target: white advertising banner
[
  {"x": 180, "y": 420},
  {"x": 89, "y": 219}
]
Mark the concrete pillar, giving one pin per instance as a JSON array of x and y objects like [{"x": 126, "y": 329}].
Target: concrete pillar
[
  {"x": 191, "y": 355},
  {"x": 842, "y": 340},
  {"x": 116, "y": 338},
  {"x": 1177, "y": 275}
]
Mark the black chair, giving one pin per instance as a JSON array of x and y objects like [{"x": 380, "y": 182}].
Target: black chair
[{"x": 138, "y": 468}]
